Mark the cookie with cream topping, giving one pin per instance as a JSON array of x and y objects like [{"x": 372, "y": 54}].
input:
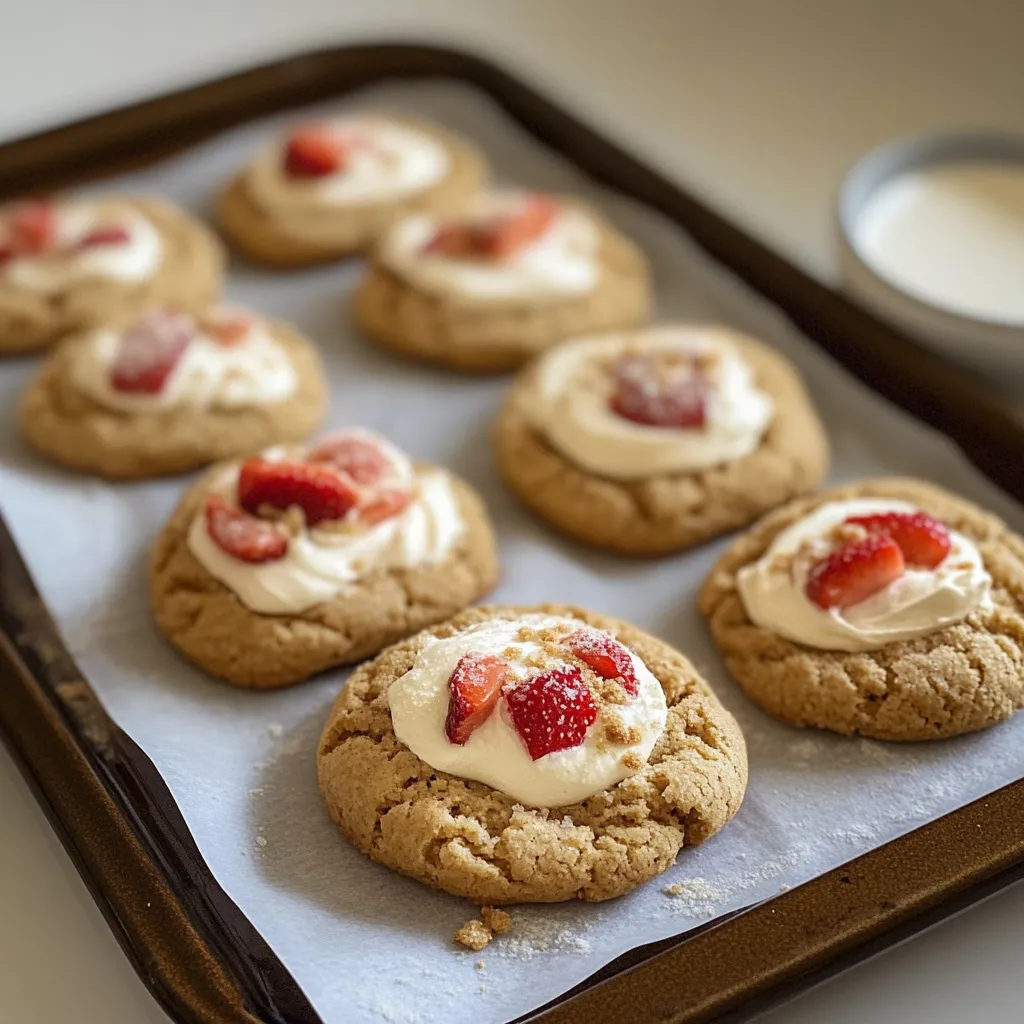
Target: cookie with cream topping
[
  {"x": 513, "y": 273},
  {"x": 326, "y": 190},
  {"x": 653, "y": 441},
  {"x": 68, "y": 265},
  {"x": 888, "y": 608},
  {"x": 304, "y": 558},
  {"x": 530, "y": 755},
  {"x": 172, "y": 392}
]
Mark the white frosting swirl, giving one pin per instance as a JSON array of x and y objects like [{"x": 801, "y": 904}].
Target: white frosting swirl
[
  {"x": 922, "y": 601},
  {"x": 494, "y": 754},
  {"x": 563, "y": 261},
  {"x": 255, "y": 370},
  {"x": 321, "y": 562},
  {"x": 395, "y": 161},
  {"x": 571, "y": 407},
  {"x": 57, "y": 270}
]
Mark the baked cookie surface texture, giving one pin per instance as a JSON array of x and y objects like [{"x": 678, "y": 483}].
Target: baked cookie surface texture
[
  {"x": 512, "y": 274},
  {"x": 172, "y": 392},
  {"x": 888, "y": 608},
  {"x": 327, "y": 190},
  {"x": 68, "y": 265},
  {"x": 304, "y": 558},
  {"x": 530, "y": 755},
  {"x": 653, "y": 441}
]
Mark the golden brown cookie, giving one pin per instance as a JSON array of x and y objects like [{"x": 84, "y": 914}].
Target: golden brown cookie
[
  {"x": 958, "y": 679},
  {"x": 478, "y": 335},
  {"x": 188, "y": 277},
  {"x": 211, "y": 626},
  {"x": 471, "y": 840},
  {"x": 70, "y": 426},
  {"x": 668, "y": 512},
  {"x": 274, "y": 239}
]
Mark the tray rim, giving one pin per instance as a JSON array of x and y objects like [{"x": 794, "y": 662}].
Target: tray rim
[{"x": 78, "y": 760}]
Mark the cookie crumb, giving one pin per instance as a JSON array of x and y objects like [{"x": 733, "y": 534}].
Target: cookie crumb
[
  {"x": 473, "y": 935},
  {"x": 261, "y": 841},
  {"x": 480, "y": 965},
  {"x": 632, "y": 760},
  {"x": 274, "y": 730},
  {"x": 499, "y": 921}
]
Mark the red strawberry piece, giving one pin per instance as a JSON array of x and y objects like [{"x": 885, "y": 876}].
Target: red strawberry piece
[
  {"x": 104, "y": 235},
  {"x": 923, "y": 539},
  {"x": 474, "y": 688},
  {"x": 384, "y": 506},
  {"x": 499, "y": 237},
  {"x": 319, "y": 491},
  {"x": 229, "y": 329},
  {"x": 552, "y": 711},
  {"x": 149, "y": 351},
  {"x": 855, "y": 571},
  {"x": 241, "y": 535},
  {"x": 514, "y": 231},
  {"x": 6, "y": 254},
  {"x": 33, "y": 228},
  {"x": 663, "y": 390},
  {"x": 314, "y": 151},
  {"x": 359, "y": 457},
  {"x": 605, "y": 655}
]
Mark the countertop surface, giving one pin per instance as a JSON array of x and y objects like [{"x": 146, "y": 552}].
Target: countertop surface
[{"x": 758, "y": 107}]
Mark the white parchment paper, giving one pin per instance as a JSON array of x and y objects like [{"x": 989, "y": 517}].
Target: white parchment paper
[{"x": 366, "y": 944}]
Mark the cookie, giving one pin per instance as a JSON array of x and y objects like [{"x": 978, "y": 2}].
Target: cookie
[
  {"x": 279, "y": 567},
  {"x": 69, "y": 265},
  {"x": 681, "y": 778},
  {"x": 511, "y": 275},
  {"x": 173, "y": 392},
  {"x": 853, "y": 611},
  {"x": 654, "y": 441},
  {"x": 326, "y": 191}
]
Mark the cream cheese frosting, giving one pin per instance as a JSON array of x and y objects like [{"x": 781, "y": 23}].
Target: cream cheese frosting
[
  {"x": 572, "y": 410},
  {"x": 922, "y": 601},
  {"x": 563, "y": 261},
  {"x": 254, "y": 370},
  {"x": 322, "y": 561},
  {"x": 494, "y": 754},
  {"x": 392, "y": 162},
  {"x": 54, "y": 271}
]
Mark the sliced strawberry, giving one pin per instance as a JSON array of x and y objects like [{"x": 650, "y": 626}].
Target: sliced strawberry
[
  {"x": 384, "y": 506},
  {"x": 149, "y": 351},
  {"x": 314, "y": 151},
  {"x": 605, "y": 655},
  {"x": 104, "y": 235},
  {"x": 552, "y": 711},
  {"x": 515, "y": 231},
  {"x": 923, "y": 539},
  {"x": 229, "y": 328},
  {"x": 33, "y": 227},
  {"x": 499, "y": 237},
  {"x": 855, "y": 571},
  {"x": 361, "y": 458},
  {"x": 241, "y": 535},
  {"x": 662, "y": 390},
  {"x": 319, "y": 491},
  {"x": 6, "y": 254},
  {"x": 474, "y": 688}
]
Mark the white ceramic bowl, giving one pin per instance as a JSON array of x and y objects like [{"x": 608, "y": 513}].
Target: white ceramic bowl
[{"x": 991, "y": 346}]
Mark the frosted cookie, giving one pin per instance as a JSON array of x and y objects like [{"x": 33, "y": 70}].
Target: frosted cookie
[
  {"x": 653, "y": 441},
  {"x": 303, "y": 558},
  {"x": 172, "y": 392},
  {"x": 530, "y": 755},
  {"x": 512, "y": 274},
  {"x": 67, "y": 265},
  {"x": 324, "y": 191},
  {"x": 888, "y": 608}
]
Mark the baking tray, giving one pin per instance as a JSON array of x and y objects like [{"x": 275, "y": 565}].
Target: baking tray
[{"x": 192, "y": 946}]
